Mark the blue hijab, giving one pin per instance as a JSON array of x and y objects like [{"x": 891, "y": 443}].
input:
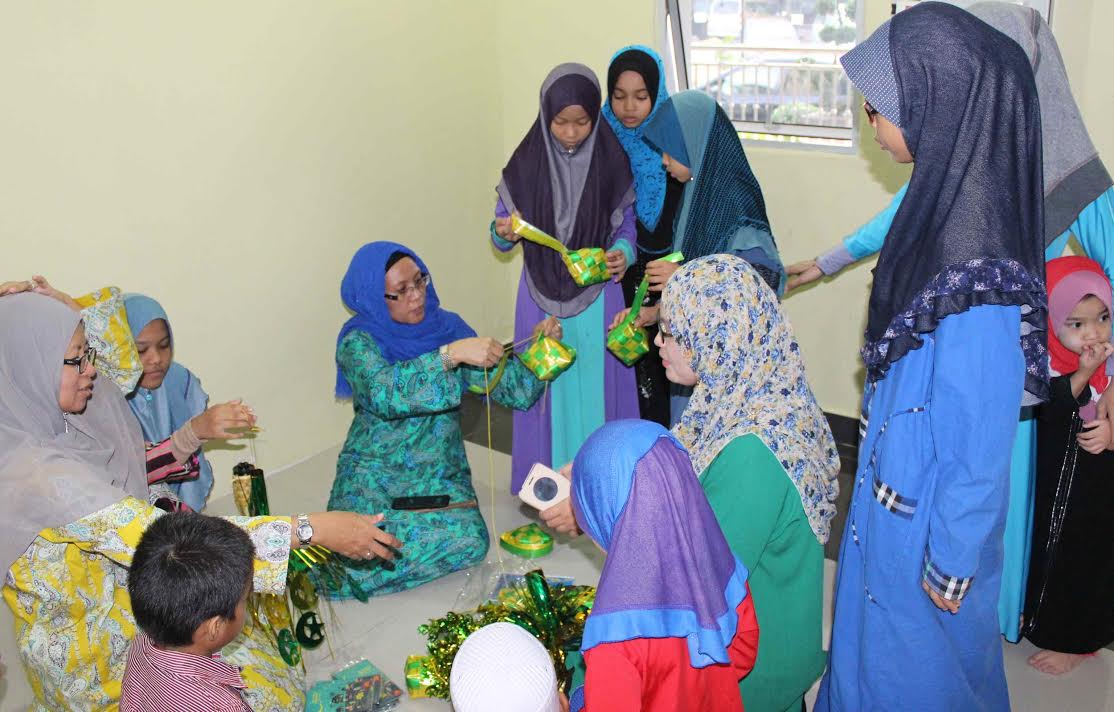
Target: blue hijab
[
  {"x": 362, "y": 291},
  {"x": 645, "y": 163},
  {"x": 162, "y": 411},
  {"x": 723, "y": 211},
  {"x": 669, "y": 572}
]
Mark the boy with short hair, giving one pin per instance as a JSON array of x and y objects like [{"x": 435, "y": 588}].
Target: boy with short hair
[{"x": 189, "y": 583}]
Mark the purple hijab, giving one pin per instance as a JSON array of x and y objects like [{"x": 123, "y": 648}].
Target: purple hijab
[
  {"x": 669, "y": 571},
  {"x": 578, "y": 196},
  {"x": 362, "y": 291}
]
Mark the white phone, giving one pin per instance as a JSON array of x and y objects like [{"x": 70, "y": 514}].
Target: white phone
[{"x": 544, "y": 488}]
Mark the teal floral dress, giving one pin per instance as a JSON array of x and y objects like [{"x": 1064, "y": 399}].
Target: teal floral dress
[{"x": 405, "y": 441}]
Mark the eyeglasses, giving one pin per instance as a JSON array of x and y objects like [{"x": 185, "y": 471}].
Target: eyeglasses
[
  {"x": 411, "y": 290},
  {"x": 665, "y": 333},
  {"x": 871, "y": 112},
  {"x": 87, "y": 359}
]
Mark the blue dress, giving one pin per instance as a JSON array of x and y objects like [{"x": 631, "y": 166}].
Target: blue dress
[
  {"x": 929, "y": 504},
  {"x": 1094, "y": 228}
]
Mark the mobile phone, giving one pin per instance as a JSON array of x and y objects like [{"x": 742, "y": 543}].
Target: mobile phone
[
  {"x": 433, "y": 501},
  {"x": 544, "y": 488}
]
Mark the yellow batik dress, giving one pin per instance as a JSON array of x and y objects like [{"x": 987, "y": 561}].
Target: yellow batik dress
[{"x": 73, "y": 617}]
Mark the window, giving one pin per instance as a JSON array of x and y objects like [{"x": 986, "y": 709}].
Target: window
[{"x": 773, "y": 65}]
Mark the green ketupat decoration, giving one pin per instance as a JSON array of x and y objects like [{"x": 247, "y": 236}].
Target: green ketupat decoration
[
  {"x": 587, "y": 265},
  {"x": 627, "y": 341},
  {"x": 548, "y": 358},
  {"x": 554, "y": 615}
]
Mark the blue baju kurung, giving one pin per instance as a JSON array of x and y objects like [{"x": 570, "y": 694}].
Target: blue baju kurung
[{"x": 929, "y": 504}]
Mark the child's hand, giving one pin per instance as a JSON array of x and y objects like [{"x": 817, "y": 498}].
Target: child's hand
[
  {"x": 1096, "y": 436},
  {"x": 659, "y": 272},
  {"x": 219, "y": 421},
  {"x": 504, "y": 230},
  {"x": 618, "y": 319},
  {"x": 551, "y": 327},
  {"x": 802, "y": 273},
  {"x": 617, "y": 264},
  {"x": 939, "y": 601},
  {"x": 1094, "y": 356}
]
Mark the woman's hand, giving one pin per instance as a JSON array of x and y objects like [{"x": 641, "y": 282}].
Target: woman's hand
[
  {"x": 1096, "y": 436},
  {"x": 560, "y": 517},
  {"x": 220, "y": 421},
  {"x": 504, "y": 229},
  {"x": 480, "y": 351},
  {"x": 939, "y": 601},
  {"x": 41, "y": 286},
  {"x": 616, "y": 264},
  {"x": 658, "y": 273},
  {"x": 551, "y": 327},
  {"x": 356, "y": 536},
  {"x": 802, "y": 273},
  {"x": 16, "y": 287}
]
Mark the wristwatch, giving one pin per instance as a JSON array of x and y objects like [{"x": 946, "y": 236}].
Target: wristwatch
[{"x": 304, "y": 530}]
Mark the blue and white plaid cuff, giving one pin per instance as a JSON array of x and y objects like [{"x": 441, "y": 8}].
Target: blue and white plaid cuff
[{"x": 950, "y": 588}]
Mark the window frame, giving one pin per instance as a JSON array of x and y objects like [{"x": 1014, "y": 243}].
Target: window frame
[{"x": 678, "y": 44}]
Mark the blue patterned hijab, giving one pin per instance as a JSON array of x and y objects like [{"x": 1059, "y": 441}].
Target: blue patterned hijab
[
  {"x": 669, "y": 572},
  {"x": 170, "y": 406},
  {"x": 723, "y": 209},
  {"x": 970, "y": 230},
  {"x": 362, "y": 291},
  {"x": 645, "y": 162}
]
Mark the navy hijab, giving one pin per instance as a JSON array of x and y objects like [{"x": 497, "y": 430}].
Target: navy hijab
[
  {"x": 970, "y": 231},
  {"x": 362, "y": 291}
]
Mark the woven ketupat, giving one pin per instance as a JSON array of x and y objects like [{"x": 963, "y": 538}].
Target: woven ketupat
[
  {"x": 628, "y": 342},
  {"x": 587, "y": 266},
  {"x": 548, "y": 358}
]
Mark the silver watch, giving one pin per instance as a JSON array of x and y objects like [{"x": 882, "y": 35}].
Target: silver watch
[{"x": 304, "y": 530}]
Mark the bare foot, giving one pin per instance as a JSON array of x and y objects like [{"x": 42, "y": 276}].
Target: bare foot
[{"x": 1053, "y": 663}]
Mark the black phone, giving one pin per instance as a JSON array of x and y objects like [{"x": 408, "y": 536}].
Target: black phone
[{"x": 433, "y": 501}]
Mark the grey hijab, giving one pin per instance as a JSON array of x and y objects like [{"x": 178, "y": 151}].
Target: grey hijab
[
  {"x": 1074, "y": 175},
  {"x": 568, "y": 172},
  {"x": 55, "y": 468}
]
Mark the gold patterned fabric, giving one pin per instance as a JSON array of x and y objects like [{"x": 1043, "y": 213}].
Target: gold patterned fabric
[{"x": 73, "y": 618}]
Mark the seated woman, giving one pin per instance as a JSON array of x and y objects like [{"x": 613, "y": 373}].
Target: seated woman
[
  {"x": 405, "y": 363},
  {"x": 76, "y": 501},
  {"x": 673, "y": 625},
  {"x": 569, "y": 177},
  {"x": 169, "y": 401},
  {"x": 765, "y": 456}
]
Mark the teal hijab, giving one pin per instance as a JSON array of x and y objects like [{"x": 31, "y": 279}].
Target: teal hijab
[{"x": 723, "y": 210}]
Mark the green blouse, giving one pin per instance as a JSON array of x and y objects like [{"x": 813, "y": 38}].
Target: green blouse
[
  {"x": 760, "y": 512},
  {"x": 405, "y": 440}
]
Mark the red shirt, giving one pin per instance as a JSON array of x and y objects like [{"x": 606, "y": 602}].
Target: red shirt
[
  {"x": 157, "y": 680},
  {"x": 656, "y": 673}
]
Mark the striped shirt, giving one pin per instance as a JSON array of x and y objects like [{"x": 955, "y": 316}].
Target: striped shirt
[
  {"x": 157, "y": 680},
  {"x": 163, "y": 467}
]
